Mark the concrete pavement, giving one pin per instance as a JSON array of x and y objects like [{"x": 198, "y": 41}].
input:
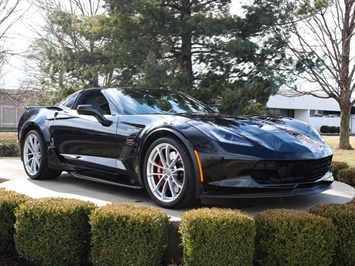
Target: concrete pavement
[{"x": 13, "y": 177}]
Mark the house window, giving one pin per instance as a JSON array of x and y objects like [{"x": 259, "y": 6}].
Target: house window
[
  {"x": 323, "y": 113},
  {"x": 282, "y": 112}
]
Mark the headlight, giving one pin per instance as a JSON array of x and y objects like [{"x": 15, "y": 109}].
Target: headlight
[{"x": 220, "y": 134}]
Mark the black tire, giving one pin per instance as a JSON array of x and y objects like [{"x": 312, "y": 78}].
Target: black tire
[
  {"x": 169, "y": 173},
  {"x": 35, "y": 157}
]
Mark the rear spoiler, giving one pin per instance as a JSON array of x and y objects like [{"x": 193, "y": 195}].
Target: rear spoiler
[{"x": 45, "y": 107}]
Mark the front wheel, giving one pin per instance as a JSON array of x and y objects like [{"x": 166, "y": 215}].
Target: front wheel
[
  {"x": 35, "y": 158},
  {"x": 169, "y": 174}
]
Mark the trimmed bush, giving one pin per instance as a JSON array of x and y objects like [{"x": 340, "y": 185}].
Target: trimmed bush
[
  {"x": 325, "y": 129},
  {"x": 125, "y": 234},
  {"x": 53, "y": 231},
  {"x": 9, "y": 150},
  {"x": 333, "y": 129},
  {"x": 336, "y": 167},
  {"x": 292, "y": 237},
  {"x": 212, "y": 236},
  {"x": 343, "y": 216},
  {"x": 347, "y": 176},
  {"x": 9, "y": 201}
]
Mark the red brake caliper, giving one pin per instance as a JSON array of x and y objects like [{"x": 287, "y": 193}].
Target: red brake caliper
[{"x": 160, "y": 171}]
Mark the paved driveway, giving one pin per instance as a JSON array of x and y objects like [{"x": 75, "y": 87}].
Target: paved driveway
[{"x": 13, "y": 177}]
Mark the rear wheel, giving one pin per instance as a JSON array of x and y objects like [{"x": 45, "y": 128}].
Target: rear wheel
[
  {"x": 35, "y": 157},
  {"x": 169, "y": 174}
]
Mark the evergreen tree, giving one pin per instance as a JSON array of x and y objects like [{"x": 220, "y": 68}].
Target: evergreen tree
[
  {"x": 199, "y": 47},
  {"x": 234, "y": 62}
]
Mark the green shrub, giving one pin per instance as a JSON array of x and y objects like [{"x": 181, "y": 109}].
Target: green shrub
[
  {"x": 337, "y": 166},
  {"x": 324, "y": 129},
  {"x": 9, "y": 201},
  {"x": 124, "y": 234},
  {"x": 212, "y": 236},
  {"x": 53, "y": 231},
  {"x": 9, "y": 150},
  {"x": 347, "y": 176},
  {"x": 343, "y": 216},
  {"x": 292, "y": 237},
  {"x": 333, "y": 129}
]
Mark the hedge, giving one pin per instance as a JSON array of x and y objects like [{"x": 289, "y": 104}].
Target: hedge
[
  {"x": 9, "y": 201},
  {"x": 337, "y": 166},
  {"x": 53, "y": 231},
  {"x": 9, "y": 150},
  {"x": 343, "y": 216},
  {"x": 329, "y": 129},
  {"x": 57, "y": 231},
  {"x": 125, "y": 234},
  {"x": 293, "y": 237},
  {"x": 347, "y": 176},
  {"x": 212, "y": 236}
]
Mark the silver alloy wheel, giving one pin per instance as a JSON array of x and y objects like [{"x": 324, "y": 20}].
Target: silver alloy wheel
[
  {"x": 32, "y": 154},
  {"x": 165, "y": 172}
]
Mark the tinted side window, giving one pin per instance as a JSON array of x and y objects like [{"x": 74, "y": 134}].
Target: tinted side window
[
  {"x": 69, "y": 101},
  {"x": 99, "y": 102}
]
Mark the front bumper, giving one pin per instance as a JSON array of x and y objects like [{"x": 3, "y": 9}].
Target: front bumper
[{"x": 246, "y": 187}]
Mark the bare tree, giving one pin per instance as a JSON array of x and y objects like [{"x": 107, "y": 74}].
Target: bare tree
[
  {"x": 8, "y": 18},
  {"x": 324, "y": 48}
]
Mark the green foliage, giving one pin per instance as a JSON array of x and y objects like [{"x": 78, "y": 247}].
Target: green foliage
[
  {"x": 310, "y": 7},
  {"x": 9, "y": 201},
  {"x": 329, "y": 129},
  {"x": 254, "y": 102},
  {"x": 194, "y": 46},
  {"x": 325, "y": 129},
  {"x": 347, "y": 176},
  {"x": 72, "y": 55},
  {"x": 291, "y": 237},
  {"x": 9, "y": 150},
  {"x": 212, "y": 236},
  {"x": 337, "y": 166},
  {"x": 124, "y": 234},
  {"x": 333, "y": 129},
  {"x": 53, "y": 231},
  {"x": 343, "y": 216}
]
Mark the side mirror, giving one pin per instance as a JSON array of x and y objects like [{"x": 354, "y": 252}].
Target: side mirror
[{"x": 88, "y": 109}]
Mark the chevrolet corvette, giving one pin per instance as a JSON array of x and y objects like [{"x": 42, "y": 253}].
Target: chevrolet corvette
[{"x": 177, "y": 148}]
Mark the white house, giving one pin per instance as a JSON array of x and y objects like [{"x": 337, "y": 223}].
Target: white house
[{"x": 312, "y": 110}]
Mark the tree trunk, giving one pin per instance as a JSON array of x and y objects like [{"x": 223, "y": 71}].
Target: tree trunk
[
  {"x": 186, "y": 45},
  {"x": 345, "y": 79},
  {"x": 344, "y": 139}
]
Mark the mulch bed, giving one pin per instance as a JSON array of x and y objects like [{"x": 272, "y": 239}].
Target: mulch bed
[{"x": 7, "y": 260}]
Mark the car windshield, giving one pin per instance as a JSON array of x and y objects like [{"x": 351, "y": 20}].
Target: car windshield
[{"x": 149, "y": 101}]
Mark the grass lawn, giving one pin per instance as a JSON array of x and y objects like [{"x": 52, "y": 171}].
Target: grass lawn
[
  {"x": 8, "y": 137},
  {"x": 339, "y": 155}
]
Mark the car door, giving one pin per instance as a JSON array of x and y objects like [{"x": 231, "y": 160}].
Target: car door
[{"x": 84, "y": 140}]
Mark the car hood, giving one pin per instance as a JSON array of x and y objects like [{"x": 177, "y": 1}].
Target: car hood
[{"x": 274, "y": 133}]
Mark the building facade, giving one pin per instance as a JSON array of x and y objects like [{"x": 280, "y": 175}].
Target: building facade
[
  {"x": 312, "y": 110},
  {"x": 12, "y": 105}
]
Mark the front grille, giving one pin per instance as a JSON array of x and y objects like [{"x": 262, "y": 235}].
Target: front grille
[{"x": 290, "y": 171}]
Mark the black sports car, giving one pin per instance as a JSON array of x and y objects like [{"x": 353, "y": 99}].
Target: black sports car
[{"x": 172, "y": 145}]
